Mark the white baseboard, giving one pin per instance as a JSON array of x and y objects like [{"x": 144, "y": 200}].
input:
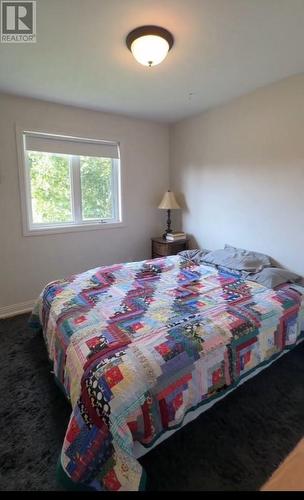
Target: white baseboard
[{"x": 16, "y": 309}]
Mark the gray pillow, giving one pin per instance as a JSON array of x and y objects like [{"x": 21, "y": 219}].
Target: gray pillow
[
  {"x": 238, "y": 259},
  {"x": 195, "y": 255},
  {"x": 271, "y": 277},
  {"x": 266, "y": 260}
]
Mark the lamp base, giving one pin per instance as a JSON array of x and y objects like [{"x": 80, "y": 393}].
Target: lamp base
[{"x": 166, "y": 232}]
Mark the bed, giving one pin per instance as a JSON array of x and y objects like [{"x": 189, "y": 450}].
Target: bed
[{"x": 142, "y": 348}]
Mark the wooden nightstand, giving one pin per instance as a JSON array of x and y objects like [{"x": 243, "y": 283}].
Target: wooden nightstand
[{"x": 163, "y": 248}]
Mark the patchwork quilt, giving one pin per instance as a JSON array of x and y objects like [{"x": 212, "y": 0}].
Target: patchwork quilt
[{"x": 136, "y": 346}]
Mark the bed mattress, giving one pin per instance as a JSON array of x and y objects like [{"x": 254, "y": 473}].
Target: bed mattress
[{"x": 141, "y": 348}]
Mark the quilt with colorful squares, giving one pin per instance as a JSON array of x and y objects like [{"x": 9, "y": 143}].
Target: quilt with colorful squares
[{"x": 136, "y": 346}]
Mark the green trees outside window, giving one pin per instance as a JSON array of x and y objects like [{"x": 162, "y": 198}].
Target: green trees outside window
[
  {"x": 52, "y": 188},
  {"x": 96, "y": 187}
]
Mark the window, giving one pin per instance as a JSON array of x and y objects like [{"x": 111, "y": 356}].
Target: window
[{"x": 70, "y": 182}]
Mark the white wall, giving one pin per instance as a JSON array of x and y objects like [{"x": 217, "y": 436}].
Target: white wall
[
  {"x": 240, "y": 168},
  {"x": 28, "y": 263}
]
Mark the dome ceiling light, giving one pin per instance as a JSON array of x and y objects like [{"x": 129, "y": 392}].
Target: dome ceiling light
[{"x": 149, "y": 44}]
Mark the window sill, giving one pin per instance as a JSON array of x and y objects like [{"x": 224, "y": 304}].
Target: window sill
[{"x": 72, "y": 229}]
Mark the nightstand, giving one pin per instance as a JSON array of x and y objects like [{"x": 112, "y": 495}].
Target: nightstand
[{"x": 163, "y": 248}]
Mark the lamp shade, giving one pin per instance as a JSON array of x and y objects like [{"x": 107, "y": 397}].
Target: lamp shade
[{"x": 169, "y": 202}]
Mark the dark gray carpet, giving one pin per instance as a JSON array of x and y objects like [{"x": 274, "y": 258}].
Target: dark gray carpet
[{"x": 235, "y": 445}]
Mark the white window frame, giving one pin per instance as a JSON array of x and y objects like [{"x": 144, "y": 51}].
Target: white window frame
[{"x": 78, "y": 224}]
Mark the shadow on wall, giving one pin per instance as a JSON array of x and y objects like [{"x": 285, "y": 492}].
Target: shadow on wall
[
  {"x": 193, "y": 244},
  {"x": 182, "y": 202},
  {"x": 177, "y": 219}
]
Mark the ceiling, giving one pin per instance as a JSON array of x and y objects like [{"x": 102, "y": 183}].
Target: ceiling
[{"x": 223, "y": 49}]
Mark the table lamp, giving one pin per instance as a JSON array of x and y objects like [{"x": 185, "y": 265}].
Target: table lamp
[{"x": 168, "y": 203}]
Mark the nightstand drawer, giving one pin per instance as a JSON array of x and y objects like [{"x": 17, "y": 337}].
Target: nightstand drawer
[
  {"x": 160, "y": 248},
  {"x": 163, "y": 248},
  {"x": 178, "y": 246}
]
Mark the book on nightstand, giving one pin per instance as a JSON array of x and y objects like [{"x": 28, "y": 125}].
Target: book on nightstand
[{"x": 176, "y": 236}]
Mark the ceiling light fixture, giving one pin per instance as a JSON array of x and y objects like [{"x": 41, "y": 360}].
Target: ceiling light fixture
[{"x": 149, "y": 44}]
